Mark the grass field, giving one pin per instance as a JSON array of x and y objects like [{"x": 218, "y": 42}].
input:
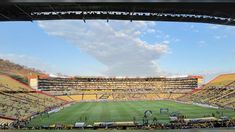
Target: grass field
[{"x": 122, "y": 111}]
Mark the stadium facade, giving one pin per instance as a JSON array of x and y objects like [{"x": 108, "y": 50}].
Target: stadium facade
[{"x": 116, "y": 88}]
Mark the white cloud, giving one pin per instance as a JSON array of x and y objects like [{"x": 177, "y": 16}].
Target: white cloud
[
  {"x": 214, "y": 27},
  {"x": 220, "y": 36},
  {"x": 116, "y": 44},
  {"x": 217, "y": 37},
  {"x": 192, "y": 28},
  {"x": 202, "y": 43},
  {"x": 151, "y": 30},
  {"x": 222, "y": 32}
]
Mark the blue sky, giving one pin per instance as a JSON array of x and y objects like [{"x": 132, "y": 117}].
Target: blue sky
[{"x": 120, "y": 48}]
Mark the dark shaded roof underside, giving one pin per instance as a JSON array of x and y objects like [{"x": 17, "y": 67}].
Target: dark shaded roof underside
[{"x": 215, "y": 13}]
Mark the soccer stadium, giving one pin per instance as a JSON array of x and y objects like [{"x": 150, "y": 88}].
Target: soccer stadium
[
  {"x": 119, "y": 75},
  {"x": 120, "y": 103}
]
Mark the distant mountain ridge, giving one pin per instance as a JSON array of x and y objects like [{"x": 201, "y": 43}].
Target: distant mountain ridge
[{"x": 17, "y": 71}]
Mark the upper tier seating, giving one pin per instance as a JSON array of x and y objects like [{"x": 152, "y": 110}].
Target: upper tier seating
[{"x": 95, "y": 88}]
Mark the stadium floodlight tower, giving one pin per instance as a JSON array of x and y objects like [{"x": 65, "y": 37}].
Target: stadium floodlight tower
[{"x": 201, "y": 11}]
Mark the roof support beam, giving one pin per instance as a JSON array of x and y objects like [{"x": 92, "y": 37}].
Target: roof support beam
[
  {"x": 54, "y": 11},
  {"x": 7, "y": 18},
  {"x": 18, "y": 7}
]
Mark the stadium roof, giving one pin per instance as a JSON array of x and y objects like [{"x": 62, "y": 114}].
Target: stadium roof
[
  {"x": 145, "y": 1},
  {"x": 218, "y": 12}
]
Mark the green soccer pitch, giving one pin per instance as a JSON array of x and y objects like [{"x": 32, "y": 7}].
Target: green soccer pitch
[{"x": 123, "y": 111}]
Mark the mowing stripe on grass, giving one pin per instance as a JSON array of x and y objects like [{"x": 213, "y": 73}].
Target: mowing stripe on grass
[{"x": 122, "y": 111}]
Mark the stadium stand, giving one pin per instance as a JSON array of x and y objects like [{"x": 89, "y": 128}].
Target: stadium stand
[
  {"x": 102, "y": 88},
  {"x": 5, "y": 123},
  {"x": 20, "y": 102},
  {"x": 218, "y": 92}
]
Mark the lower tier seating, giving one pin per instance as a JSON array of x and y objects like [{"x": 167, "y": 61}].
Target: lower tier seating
[
  {"x": 219, "y": 92},
  {"x": 20, "y": 102}
]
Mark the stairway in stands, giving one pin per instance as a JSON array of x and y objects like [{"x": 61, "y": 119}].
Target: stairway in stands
[
  {"x": 104, "y": 96},
  {"x": 70, "y": 98}
]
